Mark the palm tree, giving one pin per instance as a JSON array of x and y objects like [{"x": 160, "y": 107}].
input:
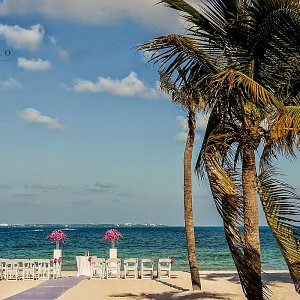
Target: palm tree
[
  {"x": 242, "y": 57},
  {"x": 187, "y": 100},
  {"x": 279, "y": 201}
]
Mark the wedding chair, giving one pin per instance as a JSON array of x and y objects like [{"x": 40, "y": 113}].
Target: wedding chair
[
  {"x": 147, "y": 268},
  {"x": 2, "y": 268},
  {"x": 97, "y": 268},
  {"x": 20, "y": 268},
  {"x": 29, "y": 269},
  {"x": 43, "y": 269},
  {"x": 113, "y": 268},
  {"x": 164, "y": 268},
  {"x": 54, "y": 268},
  {"x": 11, "y": 269},
  {"x": 131, "y": 268}
]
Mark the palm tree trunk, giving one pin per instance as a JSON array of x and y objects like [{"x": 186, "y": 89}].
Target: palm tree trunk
[
  {"x": 188, "y": 204},
  {"x": 251, "y": 223}
]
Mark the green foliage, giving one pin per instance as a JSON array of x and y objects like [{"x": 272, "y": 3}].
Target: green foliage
[{"x": 242, "y": 59}]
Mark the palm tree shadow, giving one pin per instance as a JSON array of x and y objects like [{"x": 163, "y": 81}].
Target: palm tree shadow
[
  {"x": 273, "y": 278},
  {"x": 181, "y": 294},
  {"x": 179, "y": 288},
  {"x": 175, "y": 296},
  {"x": 232, "y": 277}
]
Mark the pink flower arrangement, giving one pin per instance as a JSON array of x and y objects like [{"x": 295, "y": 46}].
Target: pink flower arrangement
[
  {"x": 57, "y": 236},
  {"x": 172, "y": 259},
  {"x": 55, "y": 260},
  {"x": 112, "y": 235}
]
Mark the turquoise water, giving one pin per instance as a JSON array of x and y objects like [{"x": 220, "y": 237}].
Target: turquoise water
[{"x": 153, "y": 242}]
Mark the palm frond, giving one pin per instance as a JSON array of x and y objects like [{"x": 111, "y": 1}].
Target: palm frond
[
  {"x": 282, "y": 209},
  {"x": 282, "y": 134},
  {"x": 186, "y": 96},
  {"x": 174, "y": 52},
  {"x": 212, "y": 123},
  {"x": 286, "y": 120},
  {"x": 232, "y": 79}
]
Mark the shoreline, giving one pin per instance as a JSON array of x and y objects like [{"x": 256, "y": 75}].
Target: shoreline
[{"x": 215, "y": 285}]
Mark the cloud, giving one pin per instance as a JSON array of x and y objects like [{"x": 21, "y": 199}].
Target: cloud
[
  {"x": 33, "y": 116},
  {"x": 34, "y": 64},
  {"x": 124, "y": 195},
  {"x": 52, "y": 40},
  {"x": 97, "y": 11},
  {"x": 4, "y": 186},
  {"x": 101, "y": 187},
  {"x": 22, "y": 38},
  {"x": 129, "y": 86},
  {"x": 82, "y": 202},
  {"x": 10, "y": 83},
  {"x": 201, "y": 122},
  {"x": 63, "y": 55},
  {"x": 25, "y": 195},
  {"x": 41, "y": 186},
  {"x": 28, "y": 201}
]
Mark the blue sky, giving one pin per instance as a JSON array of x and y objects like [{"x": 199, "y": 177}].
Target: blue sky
[{"x": 86, "y": 136}]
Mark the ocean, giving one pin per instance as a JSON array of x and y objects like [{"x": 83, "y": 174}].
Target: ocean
[{"x": 29, "y": 241}]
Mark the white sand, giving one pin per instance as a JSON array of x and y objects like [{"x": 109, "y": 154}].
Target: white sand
[{"x": 215, "y": 285}]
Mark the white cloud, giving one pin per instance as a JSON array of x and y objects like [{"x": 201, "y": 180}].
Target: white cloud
[
  {"x": 201, "y": 122},
  {"x": 42, "y": 186},
  {"x": 52, "y": 40},
  {"x": 34, "y": 64},
  {"x": 63, "y": 55},
  {"x": 22, "y": 38},
  {"x": 101, "y": 187},
  {"x": 33, "y": 116},
  {"x": 97, "y": 11},
  {"x": 130, "y": 86},
  {"x": 10, "y": 83}
]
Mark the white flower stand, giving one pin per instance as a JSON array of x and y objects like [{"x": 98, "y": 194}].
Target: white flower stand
[
  {"x": 113, "y": 253},
  {"x": 57, "y": 253}
]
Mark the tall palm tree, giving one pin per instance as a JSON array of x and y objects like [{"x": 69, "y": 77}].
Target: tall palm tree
[
  {"x": 279, "y": 201},
  {"x": 186, "y": 98},
  {"x": 241, "y": 56}
]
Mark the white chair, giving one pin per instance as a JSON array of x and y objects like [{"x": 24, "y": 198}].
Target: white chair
[
  {"x": 97, "y": 268},
  {"x": 20, "y": 263},
  {"x": 131, "y": 268},
  {"x": 55, "y": 268},
  {"x": 147, "y": 268},
  {"x": 43, "y": 269},
  {"x": 164, "y": 268},
  {"x": 113, "y": 268},
  {"x": 11, "y": 269},
  {"x": 2, "y": 268},
  {"x": 29, "y": 269}
]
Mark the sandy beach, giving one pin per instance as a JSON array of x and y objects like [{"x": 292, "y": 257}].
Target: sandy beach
[{"x": 215, "y": 285}]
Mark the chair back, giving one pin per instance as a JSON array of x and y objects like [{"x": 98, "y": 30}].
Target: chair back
[{"x": 113, "y": 268}]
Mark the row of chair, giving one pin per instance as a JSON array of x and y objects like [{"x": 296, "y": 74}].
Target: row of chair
[
  {"x": 111, "y": 268},
  {"x": 29, "y": 269}
]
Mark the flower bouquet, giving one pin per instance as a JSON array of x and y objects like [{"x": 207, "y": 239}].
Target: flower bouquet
[
  {"x": 57, "y": 236},
  {"x": 113, "y": 236}
]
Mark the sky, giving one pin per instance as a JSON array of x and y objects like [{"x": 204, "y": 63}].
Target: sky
[{"x": 86, "y": 135}]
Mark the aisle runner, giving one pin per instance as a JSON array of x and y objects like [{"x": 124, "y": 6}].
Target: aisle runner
[{"x": 48, "y": 290}]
